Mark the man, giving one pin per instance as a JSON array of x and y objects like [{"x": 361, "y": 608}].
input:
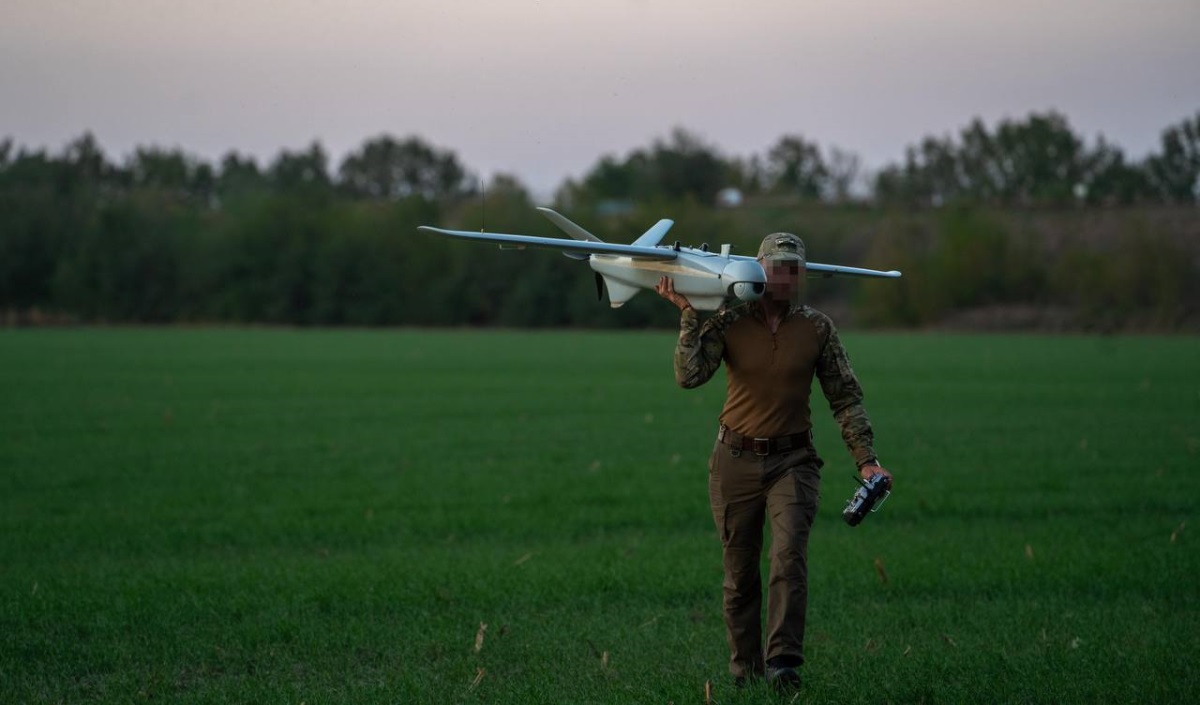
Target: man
[{"x": 764, "y": 464}]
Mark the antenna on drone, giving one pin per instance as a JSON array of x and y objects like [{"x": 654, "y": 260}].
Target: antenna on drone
[{"x": 483, "y": 204}]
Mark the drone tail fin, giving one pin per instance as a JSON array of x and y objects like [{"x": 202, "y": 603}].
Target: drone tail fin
[
  {"x": 654, "y": 235},
  {"x": 618, "y": 292},
  {"x": 568, "y": 227}
]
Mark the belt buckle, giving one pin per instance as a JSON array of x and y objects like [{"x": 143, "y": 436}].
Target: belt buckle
[{"x": 766, "y": 446}]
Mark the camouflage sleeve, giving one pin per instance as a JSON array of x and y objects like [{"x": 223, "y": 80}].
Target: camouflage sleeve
[
  {"x": 699, "y": 350},
  {"x": 845, "y": 397}
]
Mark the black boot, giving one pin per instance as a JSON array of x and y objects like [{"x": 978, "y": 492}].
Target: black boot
[{"x": 783, "y": 673}]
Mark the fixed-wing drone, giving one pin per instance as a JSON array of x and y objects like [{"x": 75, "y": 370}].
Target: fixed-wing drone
[{"x": 706, "y": 278}]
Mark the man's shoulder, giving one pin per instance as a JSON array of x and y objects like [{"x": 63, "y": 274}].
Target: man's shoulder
[
  {"x": 813, "y": 314},
  {"x": 823, "y": 323},
  {"x": 727, "y": 315}
]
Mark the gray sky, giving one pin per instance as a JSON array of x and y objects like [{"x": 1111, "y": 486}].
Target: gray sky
[{"x": 544, "y": 88}]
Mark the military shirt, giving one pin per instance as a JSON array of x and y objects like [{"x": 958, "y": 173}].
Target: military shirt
[{"x": 770, "y": 374}]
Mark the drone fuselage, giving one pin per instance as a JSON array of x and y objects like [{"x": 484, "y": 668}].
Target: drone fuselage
[{"x": 703, "y": 277}]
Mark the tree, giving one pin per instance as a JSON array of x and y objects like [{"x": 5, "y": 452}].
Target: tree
[
  {"x": 749, "y": 175},
  {"x": 171, "y": 171},
  {"x": 155, "y": 168},
  {"x": 1044, "y": 159},
  {"x": 85, "y": 161},
  {"x": 795, "y": 166},
  {"x": 983, "y": 166},
  {"x": 238, "y": 175},
  {"x": 82, "y": 168},
  {"x": 680, "y": 167},
  {"x": 1108, "y": 180},
  {"x": 890, "y": 185},
  {"x": 1035, "y": 161},
  {"x": 386, "y": 169},
  {"x": 1175, "y": 171},
  {"x": 124, "y": 266},
  {"x": 611, "y": 179},
  {"x": 928, "y": 176},
  {"x": 509, "y": 187},
  {"x": 843, "y": 170},
  {"x": 302, "y": 171},
  {"x": 686, "y": 166}
]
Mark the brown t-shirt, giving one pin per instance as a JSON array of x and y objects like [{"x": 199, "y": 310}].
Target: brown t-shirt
[{"x": 770, "y": 375}]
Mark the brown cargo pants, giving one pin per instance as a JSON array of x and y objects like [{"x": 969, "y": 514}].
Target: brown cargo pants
[{"x": 745, "y": 489}]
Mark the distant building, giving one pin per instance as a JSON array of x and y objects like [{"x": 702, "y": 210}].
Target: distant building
[{"x": 729, "y": 197}]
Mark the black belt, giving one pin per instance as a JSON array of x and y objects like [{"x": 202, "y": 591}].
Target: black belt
[{"x": 764, "y": 446}]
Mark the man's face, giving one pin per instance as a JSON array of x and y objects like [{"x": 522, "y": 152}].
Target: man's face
[{"x": 784, "y": 279}]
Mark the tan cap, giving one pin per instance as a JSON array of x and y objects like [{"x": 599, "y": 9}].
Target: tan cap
[{"x": 782, "y": 246}]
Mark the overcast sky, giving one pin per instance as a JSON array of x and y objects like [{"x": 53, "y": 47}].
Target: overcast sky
[{"x": 544, "y": 88}]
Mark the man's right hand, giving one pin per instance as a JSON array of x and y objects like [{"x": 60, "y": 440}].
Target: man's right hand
[{"x": 666, "y": 289}]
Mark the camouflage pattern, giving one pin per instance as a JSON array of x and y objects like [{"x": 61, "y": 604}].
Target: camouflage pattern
[
  {"x": 701, "y": 347},
  {"x": 842, "y": 390},
  {"x": 782, "y": 246}
]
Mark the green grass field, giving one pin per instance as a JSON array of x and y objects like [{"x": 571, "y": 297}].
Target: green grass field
[{"x": 278, "y": 516}]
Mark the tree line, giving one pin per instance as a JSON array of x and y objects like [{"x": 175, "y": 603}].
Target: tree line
[
  {"x": 168, "y": 237},
  {"x": 1036, "y": 161}
]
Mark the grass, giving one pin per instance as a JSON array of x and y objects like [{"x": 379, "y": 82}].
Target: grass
[{"x": 286, "y": 516}]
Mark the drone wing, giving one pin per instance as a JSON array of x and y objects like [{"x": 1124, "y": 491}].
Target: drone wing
[
  {"x": 826, "y": 271},
  {"x": 554, "y": 243},
  {"x": 829, "y": 270}
]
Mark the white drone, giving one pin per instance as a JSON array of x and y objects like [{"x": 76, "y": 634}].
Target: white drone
[{"x": 706, "y": 278}]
